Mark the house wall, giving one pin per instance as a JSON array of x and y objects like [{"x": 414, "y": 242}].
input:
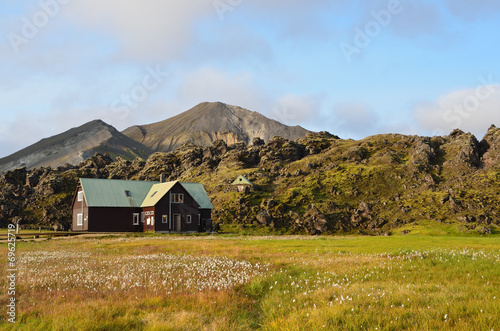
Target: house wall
[
  {"x": 104, "y": 219},
  {"x": 80, "y": 207},
  {"x": 188, "y": 207},
  {"x": 206, "y": 220}
]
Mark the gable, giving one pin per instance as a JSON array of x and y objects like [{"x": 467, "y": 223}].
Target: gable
[
  {"x": 114, "y": 192},
  {"x": 157, "y": 192},
  {"x": 241, "y": 180},
  {"x": 195, "y": 190}
]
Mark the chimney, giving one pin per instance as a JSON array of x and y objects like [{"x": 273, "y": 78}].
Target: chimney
[{"x": 162, "y": 178}]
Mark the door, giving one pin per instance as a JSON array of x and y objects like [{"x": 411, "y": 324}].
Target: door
[
  {"x": 177, "y": 223},
  {"x": 149, "y": 223}
]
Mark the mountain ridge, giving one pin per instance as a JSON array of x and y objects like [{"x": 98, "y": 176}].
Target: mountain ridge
[
  {"x": 202, "y": 125},
  {"x": 208, "y": 122},
  {"x": 73, "y": 146}
]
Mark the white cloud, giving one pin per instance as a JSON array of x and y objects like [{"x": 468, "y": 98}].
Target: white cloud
[
  {"x": 209, "y": 84},
  {"x": 296, "y": 110},
  {"x": 162, "y": 30},
  {"x": 149, "y": 29},
  {"x": 472, "y": 110},
  {"x": 353, "y": 120}
]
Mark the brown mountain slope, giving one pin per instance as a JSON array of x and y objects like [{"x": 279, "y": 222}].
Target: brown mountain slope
[
  {"x": 207, "y": 122},
  {"x": 74, "y": 146}
]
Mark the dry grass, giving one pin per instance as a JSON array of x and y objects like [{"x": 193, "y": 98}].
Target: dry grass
[{"x": 270, "y": 283}]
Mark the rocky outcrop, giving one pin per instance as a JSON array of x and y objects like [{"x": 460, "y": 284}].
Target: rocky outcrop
[
  {"x": 461, "y": 151},
  {"x": 490, "y": 146}
]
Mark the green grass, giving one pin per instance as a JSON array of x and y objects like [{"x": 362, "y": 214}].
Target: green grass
[{"x": 412, "y": 282}]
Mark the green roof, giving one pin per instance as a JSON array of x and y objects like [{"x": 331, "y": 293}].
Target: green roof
[
  {"x": 197, "y": 191},
  {"x": 114, "y": 192},
  {"x": 241, "y": 180}
]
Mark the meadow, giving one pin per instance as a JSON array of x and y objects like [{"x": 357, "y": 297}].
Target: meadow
[{"x": 221, "y": 282}]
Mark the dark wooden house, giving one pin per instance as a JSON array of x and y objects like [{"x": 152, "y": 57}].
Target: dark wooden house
[{"x": 108, "y": 205}]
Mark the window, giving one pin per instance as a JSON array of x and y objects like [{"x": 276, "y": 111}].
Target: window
[
  {"x": 177, "y": 197},
  {"x": 136, "y": 218},
  {"x": 80, "y": 196},
  {"x": 148, "y": 221},
  {"x": 188, "y": 219},
  {"x": 164, "y": 219},
  {"x": 127, "y": 193},
  {"x": 152, "y": 220},
  {"x": 79, "y": 220}
]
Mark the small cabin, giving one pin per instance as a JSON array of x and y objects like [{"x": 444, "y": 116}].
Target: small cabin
[
  {"x": 110, "y": 205},
  {"x": 242, "y": 184}
]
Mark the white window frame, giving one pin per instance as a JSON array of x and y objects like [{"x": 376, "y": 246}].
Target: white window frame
[
  {"x": 135, "y": 218},
  {"x": 152, "y": 220},
  {"x": 177, "y": 197},
  {"x": 188, "y": 219},
  {"x": 164, "y": 219},
  {"x": 80, "y": 195},
  {"x": 79, "y": 220}
]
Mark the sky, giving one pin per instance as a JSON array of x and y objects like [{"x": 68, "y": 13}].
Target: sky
[{"x": 353, "y": 68}]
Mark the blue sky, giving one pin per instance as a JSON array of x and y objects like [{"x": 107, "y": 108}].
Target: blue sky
[{"x": 353, "y": 68}]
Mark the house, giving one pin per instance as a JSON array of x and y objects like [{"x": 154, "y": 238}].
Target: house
[
  {"x": 242, "y": 184},
  {"x": 110, "y": 205},
  {"x": 177, "y": 207}
]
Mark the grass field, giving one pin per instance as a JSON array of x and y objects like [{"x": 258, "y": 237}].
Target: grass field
[{"x": 251, "y": 282}]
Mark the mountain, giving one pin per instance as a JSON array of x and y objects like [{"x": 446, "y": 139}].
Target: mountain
[
  {"x": 210, "y": 121},
  {"x": 74, "y": 146}
]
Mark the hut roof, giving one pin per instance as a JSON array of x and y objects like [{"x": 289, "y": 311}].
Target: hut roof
[{"x": 241, "y": 180}]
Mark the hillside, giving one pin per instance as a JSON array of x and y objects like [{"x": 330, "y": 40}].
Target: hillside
[
  {"x": 208, "y": 122},
  {"x": 74, "y": 146},
  {"x": 316, "y": 184}
]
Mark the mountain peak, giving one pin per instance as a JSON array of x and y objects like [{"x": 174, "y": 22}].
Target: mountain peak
[{"x": 210, "y": 121}]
